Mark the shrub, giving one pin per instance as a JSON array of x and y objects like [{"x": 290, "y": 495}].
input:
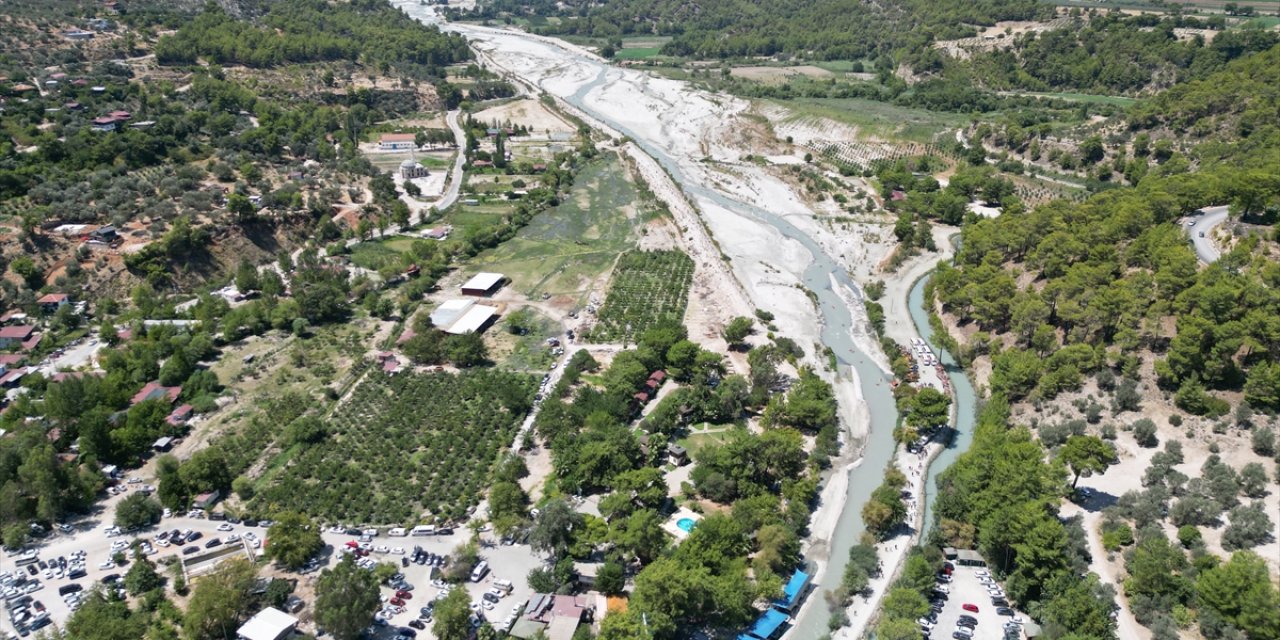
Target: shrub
[
  {"x": 1144, "y": 432},
  {"x": 1108, "y": 432},
  {"x": 1264, "y": 442},
  {"x": 1175, "y": 420},
  {"x": 1250, "y": 526},
  {"x": 1188, "y": 535}
]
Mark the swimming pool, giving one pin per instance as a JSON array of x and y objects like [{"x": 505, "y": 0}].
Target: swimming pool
[{"x": 686, "y": 524}]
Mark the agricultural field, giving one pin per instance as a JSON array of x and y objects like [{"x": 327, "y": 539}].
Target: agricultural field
[
  {"x": 563, "y": 250},
  {"x": 879, "y": 119},
  {"x": 404, "y": 448},
  {"x": 647, "y": 288}
]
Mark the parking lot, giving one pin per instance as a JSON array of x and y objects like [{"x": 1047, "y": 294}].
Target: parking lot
[
  {"x": 511, "y": 563},
  {"x": 967, "y": 587}
]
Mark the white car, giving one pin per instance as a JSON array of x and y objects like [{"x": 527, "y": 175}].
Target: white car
[
  {"x": 968, "y": 633},
  {"x": 232, "y": 538},
  {"x": 942, "y": 588},
  {"x": 119, "y": 545},
  {"x": 488, "y": 606},
  {"x": 107, "y": 564},
  {"x": 382, "y": 548},
  {"x": 163, "y": 543},
  {"x": 982, "y": 573},
  {"x": 397, "y": 550},
  {"x": 226, "y": 526}
]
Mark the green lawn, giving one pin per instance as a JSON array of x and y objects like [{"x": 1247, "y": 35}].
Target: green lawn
[
  {"x": 702, "y": 435},
  {"x": 563, "y": 248}
]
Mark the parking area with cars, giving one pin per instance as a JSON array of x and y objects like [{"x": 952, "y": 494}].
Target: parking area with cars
[
  {"x": 969, "y": 604},
  {"x": 56, "y": 571},
  {"x": 497, "y": 590}
]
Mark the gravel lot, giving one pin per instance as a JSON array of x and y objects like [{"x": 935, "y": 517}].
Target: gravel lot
[
  {"x": 966, "y": 588},
  {"x": 506, "y": 562}
]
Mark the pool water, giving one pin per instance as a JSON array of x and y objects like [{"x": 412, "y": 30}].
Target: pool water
[{"x": 686, "y": 524}]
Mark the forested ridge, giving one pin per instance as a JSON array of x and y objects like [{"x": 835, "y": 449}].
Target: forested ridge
[
  {"x": 828, "y": 30},
  {"x": 1061, "y": 291},
  {"x": 1115, "y": 54},
  {"x": 369, "y": 31}
]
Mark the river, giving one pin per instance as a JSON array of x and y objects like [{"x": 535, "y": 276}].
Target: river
[{"x": 579, "y": 78}]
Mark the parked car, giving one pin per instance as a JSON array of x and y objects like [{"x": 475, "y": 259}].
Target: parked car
[
  {"x": 969, "y": 607},
  {"x": 1004, "y": 611},
  {"x": 190, "y": 550},
  {"x": 213, "y": 543}
]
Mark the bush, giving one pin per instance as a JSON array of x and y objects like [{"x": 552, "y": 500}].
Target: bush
[
  {"x": 1188, "y": 535},
  {"x": 1108, "y": 432},
  {"x": 1175, "y": 420},
  {"x": 1264, "y": 442},
  {"x": 1250, "y": 526},
  {"x": 1119, "y": 536},
  {"x": 1144, "y": 432}
]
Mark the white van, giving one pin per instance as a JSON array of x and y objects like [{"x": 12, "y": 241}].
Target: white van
[
  {"x": 370, "y": 532},
  {"x": 398, "y": 532},
  {"x": 424, "y": 530},
  {"x": 504, "y": 585},
  {"x": 480, "y": 571}
]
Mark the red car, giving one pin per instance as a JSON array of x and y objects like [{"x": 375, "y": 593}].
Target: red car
[
  {"x": 397, "y": 602},
  {"x": 403, "y": 594},
  {"x": 970, "y": 607}
]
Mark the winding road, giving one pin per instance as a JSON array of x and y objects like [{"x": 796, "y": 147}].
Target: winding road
[{"x": 1201, "y": 231}]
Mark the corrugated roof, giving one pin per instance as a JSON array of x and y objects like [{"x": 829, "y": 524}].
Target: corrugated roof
[{"x": 268, "y": 624}]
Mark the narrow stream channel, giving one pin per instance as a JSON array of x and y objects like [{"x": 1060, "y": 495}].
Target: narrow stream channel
[{"x": 835, "y": 319}]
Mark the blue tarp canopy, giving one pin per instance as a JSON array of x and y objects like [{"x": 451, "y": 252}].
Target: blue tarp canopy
[
  {"x": 768, "y": 624},
  {"x": 792, "y": 592}
]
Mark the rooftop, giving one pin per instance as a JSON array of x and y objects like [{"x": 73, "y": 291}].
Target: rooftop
[
  {"x": 20, "y": 332},
  {"x": 473, "y": 320},
  {"x": 483, "y": 281},
  {"x": 268, "y": 624}
]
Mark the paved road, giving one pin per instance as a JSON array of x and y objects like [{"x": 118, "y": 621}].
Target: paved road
[{"x": 1201, "y": 232}]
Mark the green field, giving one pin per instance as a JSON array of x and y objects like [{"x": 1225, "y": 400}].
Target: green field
[
  {"x": 637, "y": 53},
  {"x": 878, "y": 118},
  {"x": 377, "y": 253},
  {"x": 1119, "y": 101},
  {"x": 561, "y": 250},
  {"x": 648, "y": 288}
]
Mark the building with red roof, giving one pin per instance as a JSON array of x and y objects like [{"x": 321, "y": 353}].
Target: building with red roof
[
  {"x": 9, "y": 336},
  {"x": 156, "y": 391}
]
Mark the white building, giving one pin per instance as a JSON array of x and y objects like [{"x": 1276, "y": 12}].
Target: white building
[{"x": 268, "y": 624}]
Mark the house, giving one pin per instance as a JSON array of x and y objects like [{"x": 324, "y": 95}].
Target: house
[
  {"x": 120, "y": 115},
  {"x": 481, "y": 164},
  {"x": 555, "y": 617},
  {"x": 77, "y": 34},
  {"x": 268, "y": 624},
  {"x": 677, "y": 454},
  {"x": 51, "y": 302},
  {"x": 207, "y": 500},
  {"x": 180, "y": 416},
  {"x": 154, "y": 391},
  {"x": 397, "y": 141},
  {"x": 483, "y": 284},
  {"x": 72, "y": 106},
  {"x": 388, "y": 362},
  {"x": 767, "y": 627},
  {"x": 10, "y": 378},
  {"x": 100, "y": 24},
  {"x": 438, "y": 233},
  {"x": 23, "y": 87},
  {"x": 410, "y": 169},
  {"x": 793, "y": 592},
  {"x": 104, "y": 124},
  {"x": 11, "y": 336},
  {"x": 106, "y": 233},
  {"x": 162, "y": 445}
]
